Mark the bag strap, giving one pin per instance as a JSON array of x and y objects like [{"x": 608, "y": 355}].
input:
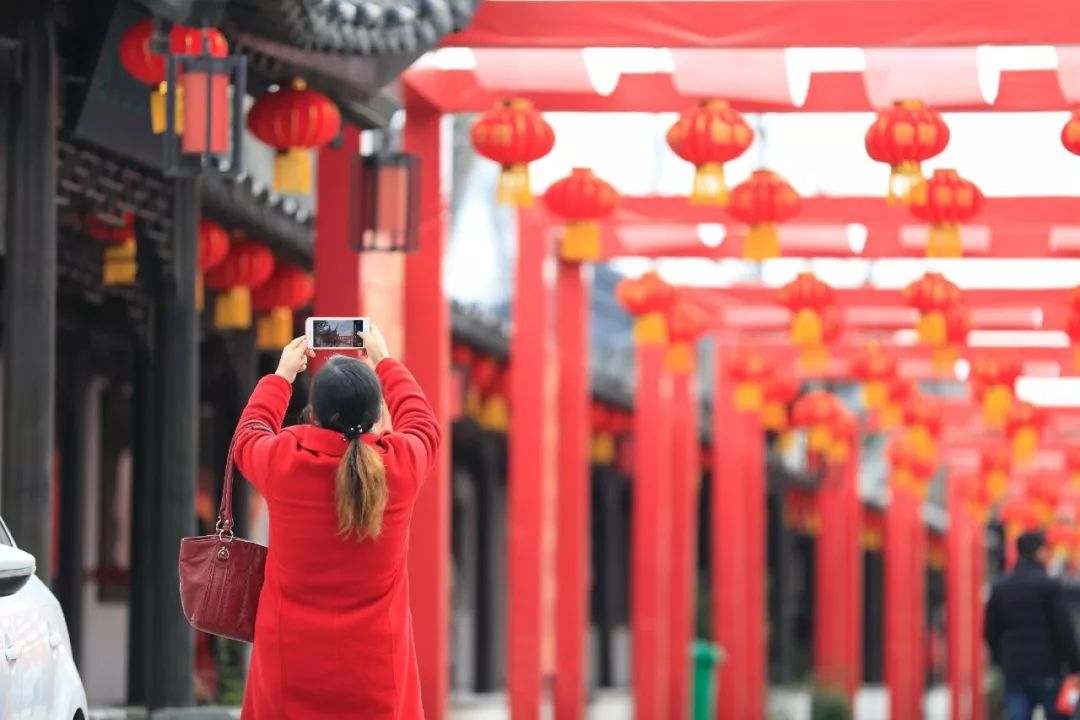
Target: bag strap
[{"x": 224, "y": 527}]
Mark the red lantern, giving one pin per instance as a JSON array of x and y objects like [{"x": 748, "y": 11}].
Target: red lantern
[
  {"x": 903, "y": 137},
  {"x": 485, "y": 373},
  {"x": 213, "y": 249},
  {"x": 248, "y": 265},
  {"x": 932, "y": 296},
  {"x": 1044, "y": 492},
  {"x": 462, "y": 356},
  {"x": 1070, "y": 134},
  {"x": 1024, "y": 425},
  {"x": 995, "y": 468},
  {"x": 685, "y": 324},
  {"x": 1072, "y": 465},
  {"x": 1059, "y": 538},
  {"x": 992, "y": 382},
  {"x": 513, "y": 134},
  {"x": 293, "y": 120},
  {"x": 750, "y": 372},
  {"x": 708, "y": 135},
  {"x": 923, "y": 421},
  {"x": 148, "y": 67},
  {"x": 912, "y": 467},
  {"x": 816, "y": 411},
  {"x": 762, "y": 202},
  {"x": 891, "y": 414},
  {"x": 843, "y": 433},
  {"x": 582, "y": 200},
  {"x": 945, "y": 201},
  {"x": 287, "y": 290},
  {"x": 647, "y": 298},
  {"x": 808, "y": 299},
  {"x": 875, "y": 368},
  {"x": 781, "y": 387},
  {"x": 120, "y": 266},
  {"x": 1019, "y": 515}
]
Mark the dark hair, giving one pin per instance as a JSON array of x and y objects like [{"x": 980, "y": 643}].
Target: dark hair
[
  {"x": 346, "y": 397},
  {"x": 1029, "y": 543}
]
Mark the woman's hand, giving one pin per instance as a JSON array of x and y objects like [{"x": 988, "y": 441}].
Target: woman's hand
[
  {"x": 374, "y": 345},
  {"x": 294, "y": 359}
]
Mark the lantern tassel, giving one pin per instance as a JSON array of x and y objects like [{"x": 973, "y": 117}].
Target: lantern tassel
[
  {"x": 581, "y": 241},
  {"x": 944, "y": 241},
  {"x": 1024, "y": 443},
  {"x": 944, "y": 358},
  {"x": 997, "y": 402},
  {"x": 710, "y": 188},
  {"x": 762, "y": 242},
  {"x": 814, "y": 359},
  {"x": 650, "y": 329},
  {"x": 513, "y": 188},
  {"x": 232, "y": 309},
  {"x": 904, "y": 176},
  {"x": 773, "y": 416},
  {"x": 931, "y": 329},
  {"x": 679, "y": 358},
  {"x": 158, "y": 102},
  {"x": 602, "y": 449},
  {"x": 890, "y": 416},
  {"x": 120, "y": 267},
  {"x": 875, "y": 394},
  {"x": 748, "y": 396},
  {"x": 806, "y": 328},
  {"x": 275, "y": 330},
  {"x": 292, "y": 171},
  {"x": 495, "y": 414},
  {"x": 997, "y": 484}
]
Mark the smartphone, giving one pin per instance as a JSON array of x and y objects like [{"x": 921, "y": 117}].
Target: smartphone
[{"x": 335, "y": 333}]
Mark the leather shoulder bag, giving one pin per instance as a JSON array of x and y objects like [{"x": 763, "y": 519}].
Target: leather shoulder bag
[{"x": 221, "y": 575}]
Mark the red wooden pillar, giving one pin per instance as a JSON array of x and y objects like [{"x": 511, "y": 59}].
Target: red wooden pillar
[
  {"x": 958, "y": 604},
  {"x": 977, "y": 647},
  {"x": 755, "y": 562},
  {"x": 338, "y": 288},
  {"x": 650, "y": 520},
  {"x": 529, "y": 347},
  {"x": 905, "y": 603},
  {"x": 572, "y": 562},
  {"x": 427, "y": 352},
  {"x": 838, "y": 588},
  {"x": 684, "y": 486}
]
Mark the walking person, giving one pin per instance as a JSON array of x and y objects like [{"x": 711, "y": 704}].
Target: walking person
[
  {"x": 334, "y": 634},
  {"x": 1030, "y": 633}
]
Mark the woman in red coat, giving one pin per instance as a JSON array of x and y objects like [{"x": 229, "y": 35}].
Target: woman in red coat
[{"x": 334, "y": 635}]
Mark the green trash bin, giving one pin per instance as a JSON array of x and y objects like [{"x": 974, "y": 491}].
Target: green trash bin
[{"x": 707, "y": 659}]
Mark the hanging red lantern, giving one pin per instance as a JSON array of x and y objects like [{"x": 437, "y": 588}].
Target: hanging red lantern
[
  {"x": 904, "y": 136},
  {"x": 750, "y": 372},
  {"x": 1059, "y": 538},
  {"x": 120, "y": 265},
  {"x": 685, "y": 324},
  {"x": 932, "y": 296},
  {"x": 781, "y": 388},
  {"x": 648, "y": 298},
  {"x": 1023, "y": 426},
  {"x": 1044, "y": 493},
  {"x": 974, "y": 496},
  {"x": 248, "y": 265},
  {"x": 582, "y": 200},
  {"x": 1019, "y": 515},
  {"x": 148, "y": 67},
  {"x": 762, "y": 202},
  {"x": 923, "y": 421},
  {"x": 513, "y": 134},
  {"x": 287, "y": 290},
  {"x": 462, "y": 356},
  {"x": 891, "y": 414},
  {"x": 1072, "y": 465},
  {"x": 1070, "y": 134},
  {"x": 995, "y": 469},
  {"x": 816, "y": 412},
  {"x": 957, "y": 327},
  {"x": 213, "y": 249},
  {"x": 992, "y": 381},
  {"x": 843, "y": 434},
  {"x": 294, "y": 120},
  {"x": 708, "y": 135},
  {"x": 874, "y": 368},
  {"x": 912, "y": 467},
  {"x": 945, "y": 201},
  {"x": 808, "y": 299}
]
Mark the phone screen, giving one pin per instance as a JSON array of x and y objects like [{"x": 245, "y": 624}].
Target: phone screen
[{"x": 329, "y": 333}]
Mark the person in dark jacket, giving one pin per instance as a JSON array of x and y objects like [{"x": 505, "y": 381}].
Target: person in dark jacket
[{"x": 1030, "y": 633}]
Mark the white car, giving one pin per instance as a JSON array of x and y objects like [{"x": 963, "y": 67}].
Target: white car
[{"x": 38, "y": 678}]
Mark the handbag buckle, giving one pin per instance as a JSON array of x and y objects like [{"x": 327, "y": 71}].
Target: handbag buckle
[
  {"x": 224, "y": 532},
  {"x": 223, "y": 553}
]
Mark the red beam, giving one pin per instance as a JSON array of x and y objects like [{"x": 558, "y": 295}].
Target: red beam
[
  {"x": 778, "y": 23},
  {"x": 460, "y": 91}
]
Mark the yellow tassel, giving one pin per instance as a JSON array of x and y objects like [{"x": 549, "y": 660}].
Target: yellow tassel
[
  {"x": 931, "y": 329},
  {"x": 158, "y": 103},
  {"x": 838, "y": 452},
  {"x": 496, "y": 414},
  {"x": 1074, "y": 480},
  {"x": 232, "y": 309},
  {"x": 786, "y": 441},
  {"x": 710, "y": 187},
  {"x": 120, "y": 266},
  {"x": 748, "y": 396},
  {"x": 474, "y": 404},
  {"x": 200, "y": 291},
  {"x": 292, "y": 171},
  {"x": 921, "y": 440},
  {"x": 1024, "y": 443},
  {"x": 275, "y": 330},
  {"x": 890, "y": 417},
  {"x": 996, "y": 405},
  {"x": 650, "y": 329},
  {"x": 944, "y": 241},
  {"x": 581, "y": 241},
  {"x": 513, "y": 188},
  {"x": 818, "y": 438},
  {"x": 944, "y": 358},
  {"x": 602, "y": 451},
  {"x": 762, "y": 242},
  {"x": 774, "y": 416},
  {"x": 814, "y": 360},
  {"x": 806, "y": 328},
  {"x": 679, "y": 358},
  {"x": 875, "y": 394},
  {"x": 903, "y": 177},
  {"x": 997, "y": 484}
]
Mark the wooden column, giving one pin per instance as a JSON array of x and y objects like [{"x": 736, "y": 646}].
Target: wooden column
[
  {"x": 29, "y": 308},
  {"x": 575, "y": 490},
  {"x": 754, "y": 559},
  {"x": 142, "y": 614},
  {"x": 427, "y": 352},
  {"x": 650, "y": 518},
  {"x": 685, "y": 485},
  {"x": 529, "y": 348},
  {"x": 959, "y": 604},
  {"x": 176, "y": 374},
  {"x": 977, "y": 647},
  {"x": 905, "y": 604}
]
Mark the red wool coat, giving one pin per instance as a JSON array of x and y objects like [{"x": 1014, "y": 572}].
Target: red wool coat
[{"x": 334, "y": 635}]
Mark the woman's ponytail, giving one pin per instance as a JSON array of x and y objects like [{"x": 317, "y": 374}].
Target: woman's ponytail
[{"x": 360, "y": 491}]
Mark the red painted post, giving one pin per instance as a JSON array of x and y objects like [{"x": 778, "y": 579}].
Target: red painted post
[
  {"x": 853, "y": 574},
  {"x": 575, "y": 496},
  {"x": 905, "y": 582},
  {"x": 755, "y": 563},
  {"x": 958, "y": 596},
  {"x": 529, "y": 347},
  {"x": 977, "y": 647},
  {"x": 827, "y": 608},
  {"x": 427, "y": 352},
  {"x": 685, "y": 483},
  {"x": 650, "y": 520}
]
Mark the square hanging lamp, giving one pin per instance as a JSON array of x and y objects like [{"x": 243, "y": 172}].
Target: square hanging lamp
[{"x": 385, "y": 214}]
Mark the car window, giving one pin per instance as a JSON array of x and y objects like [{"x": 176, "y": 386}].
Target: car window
[{"x": 5, "y": 536}]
